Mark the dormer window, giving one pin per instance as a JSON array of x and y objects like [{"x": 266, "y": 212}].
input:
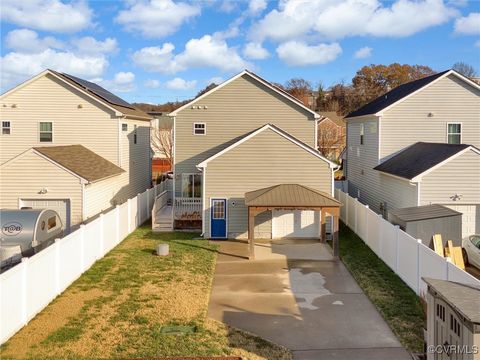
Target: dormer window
[
  {"x": 199, "y": 129},
  {"x": 454, "y": 133}
]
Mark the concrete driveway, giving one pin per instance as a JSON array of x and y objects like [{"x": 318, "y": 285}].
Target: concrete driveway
[{"x": 295, "y": 295}]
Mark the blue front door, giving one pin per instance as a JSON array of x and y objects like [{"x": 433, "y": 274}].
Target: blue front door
[{"x": 218, "y": 216}]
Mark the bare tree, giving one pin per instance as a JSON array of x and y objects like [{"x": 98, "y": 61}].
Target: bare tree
[
  {"x": 162, "y": 142},
  {"x": 465, "y": 69},
  {"x": 331, "y": 139}
]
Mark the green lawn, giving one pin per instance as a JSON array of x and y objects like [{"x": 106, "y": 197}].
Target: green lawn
[
  {"x": 397, "y": 303},
  {"x": 121, "y": 306}
]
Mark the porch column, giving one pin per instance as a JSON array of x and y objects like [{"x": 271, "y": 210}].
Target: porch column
[
  {"x": 323, "y": 226},
  {"x": 336, "y": 245},
  {"x": 251, "y": 233}
]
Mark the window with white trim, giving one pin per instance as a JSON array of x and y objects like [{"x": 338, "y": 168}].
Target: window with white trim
[
  {"x": 362, "y": 133},
  {"x": 199, "y": 129},
  {"x": 454, "y": 133},
  {"x": 124, "y": 127},
  {"x": 6, "y": 129},
  {"x": 46, "y": 132},
  {"x": 192, "y": 185}
]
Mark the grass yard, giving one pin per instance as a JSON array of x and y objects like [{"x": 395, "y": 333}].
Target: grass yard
[
  {"x": 119, "y": 307},
  {"x": 397, "y": 303}
]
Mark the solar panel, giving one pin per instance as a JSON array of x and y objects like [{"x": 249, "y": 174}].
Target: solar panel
[{"x": 99, "y": 91}]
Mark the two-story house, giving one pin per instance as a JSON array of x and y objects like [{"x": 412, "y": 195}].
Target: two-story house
[
  {"x": 419, "y": 145},
  {"x": 242, "y": 136},
  {"x": 69, "y": 145},
  {"x": 331, "y": 135}
]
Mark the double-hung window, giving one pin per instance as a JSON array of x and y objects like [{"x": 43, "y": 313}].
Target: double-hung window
[
  {"x": 46, "y": 132},
  {"x": 454, "y": 133},
  {"x": 6, "y": 127},
  {"x": 192, "y": 185},
  {"x": 199, "y": 129}
]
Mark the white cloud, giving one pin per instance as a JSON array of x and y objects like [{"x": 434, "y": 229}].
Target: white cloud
[
  {"x": 152, "y": 83},
  {"x": 334, "y": 19},
  {"x": 156, "y": 18},
  {"x": 47, "y": 15},
  {"x": 27, "y": 41},
  {"x": 257, "y": 6},
  {"x": 215, "y": 80},
  {"x": 477, "y": 44},
  {"x": 296, "y": 53},
  {"x": 17, "y": 67},
  {"x": 469, "y": 25},
  {"x": 207, "y": 51},
  {"x": 89, "y": 45},
  {"x": 121, "y": 82},
  {"x": 180, "y": 84},
  {"x": 227, "y": 6},
  {"x": 363, "y": 52},
  {"x": 255, "y": 51}
]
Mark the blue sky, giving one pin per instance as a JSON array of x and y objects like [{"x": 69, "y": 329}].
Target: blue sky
[{"x": 160, "y": 50}]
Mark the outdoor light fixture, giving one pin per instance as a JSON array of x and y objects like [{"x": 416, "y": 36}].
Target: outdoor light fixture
[
  {"x": 430, "y": 114},
  {"x": 43, "y": 191}
]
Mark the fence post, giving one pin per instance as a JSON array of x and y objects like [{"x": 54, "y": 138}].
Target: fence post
[
  {"x": 419, "y": 243},
  {"x": 366, "y": 224},
  {"x": 102, "y": 240},
  {"x": 148, "y": 201},
  {"x": 355, "y": 205},
  {"x": 138, "y": 217},
  {"x": 129, "y": 215},
  {"x": 82, "y": 247},
  {"x": 24, "y": 290},
  {"x": 57, "y": 265},
  {"x": 117, "y": 223},
  {"x": 397, "y": 229},
  {"x": 380, "y": 235},
  {"x": 346, "y": 210}
]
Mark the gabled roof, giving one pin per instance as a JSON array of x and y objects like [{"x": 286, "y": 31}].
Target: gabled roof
[
  {"x": 333, "y": 116},
  {"x": 229, "y": 145},
  {"x": 290, "y": 195},
  {"x": 94, "y": 91},
  {"x": 401, "y": 92},
  {"x": 420, "y": 157},
  {"x": 81, "y": 161},
  {"x": 260, "y": 80}
]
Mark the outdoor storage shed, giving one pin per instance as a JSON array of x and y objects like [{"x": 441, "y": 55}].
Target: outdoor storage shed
[
  {"x": 453, "y": 320},
  {"x": 422, "y": 222}
]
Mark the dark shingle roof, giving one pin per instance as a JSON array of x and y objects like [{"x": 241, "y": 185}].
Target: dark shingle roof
[
  {"x": 81, "y": 161},
  {"x": 462, "y": 297},
  {"x": 394, "y": 95},
  {"x": 418, "y": 158}
]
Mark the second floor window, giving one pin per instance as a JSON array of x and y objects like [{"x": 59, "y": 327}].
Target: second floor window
[
  {"x": 124, "y": 127},
  {"x": 46, "y": 132},
  {"x": 6, "y": 128},
  {"x": 454, "y": 133},
  {"x": 191, "y": 185},
  {"x": 199, "y": 129},
  {"x": 362, "y": 134}
]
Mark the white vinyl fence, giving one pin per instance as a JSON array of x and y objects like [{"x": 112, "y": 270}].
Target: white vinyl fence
[
  {"x": 406, "y": 256},
  {"x": 31, "y": 285}
]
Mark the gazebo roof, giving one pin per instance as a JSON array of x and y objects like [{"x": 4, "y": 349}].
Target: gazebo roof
[{"x": 290, "y": 195}]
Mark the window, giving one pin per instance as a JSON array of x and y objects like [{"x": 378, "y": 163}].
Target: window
[
  {"x": 199, "y": 129},
  {"x": 362, "y": 133},
  {"x": 5, "y": 127},
  {"x": 52, "y": 222},
  {"x": 191, "y": 185},
  {"x": 441, "y": 312},
  {"x": 124, "y": 127},
  {"x": 218, "y": 209},
  {"x": 46, "y": 132},
  {"x": 454, "y": 133},
  {"x": 134, "y": 134}
]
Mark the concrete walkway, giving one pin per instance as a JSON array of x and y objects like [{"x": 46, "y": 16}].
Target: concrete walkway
[{"x": 294, "y": 294}]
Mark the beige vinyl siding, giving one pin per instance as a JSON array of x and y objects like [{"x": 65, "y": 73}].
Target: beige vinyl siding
[
  {"x": 232, "y": 111},
  {"x": 459, "y": 176},
  {"x": 449, "y": 100},
  {"x": 102, "y": 195},
  {"x": 264, "y": 160},
  {"x": 25, "y": 176},
  {"x": 49, "y": 100}
]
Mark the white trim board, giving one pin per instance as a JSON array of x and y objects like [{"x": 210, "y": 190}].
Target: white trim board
[
  {"x": 204, "y": 163},
  {"x": 255, "y": 77}
]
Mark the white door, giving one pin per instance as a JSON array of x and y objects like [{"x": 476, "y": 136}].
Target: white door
[
  {"x": 470, "y": 218},
  {"x": 295, "y": 224},
  {"x": 61, "y": 206}
]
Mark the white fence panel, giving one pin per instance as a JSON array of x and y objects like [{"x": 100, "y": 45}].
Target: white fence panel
[
  {"x": 11, "y": 297},
  {"x": 351, "y": 212},
  {"x": 142, "y": 208},
  {"x": 430, "y": 265},
  {"x": 373, "y": 233},
  {"x": 134, "y": 221},
  {"x": 408, "y": 260},
  {"x": 343, "y": 210},
  {"x": 361, "y": 221},
  {"x": 91, "y": 241},
  {"x": 69, "y": 262},
  {"x": 123, "y": 215},
  {"x": 458, "y": 275},
  {"x": 109, "y": 230},
  {"x": 388, "y": 244}
]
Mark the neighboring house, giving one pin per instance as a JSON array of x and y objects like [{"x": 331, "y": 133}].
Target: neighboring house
[
  {"x": 72, "y": 146},
  {"x": 418, "y": 145},
  {"x": 331, "y": 136},
  {"x": 161, "y": 135},
  {"x": 241, "y": 136}
]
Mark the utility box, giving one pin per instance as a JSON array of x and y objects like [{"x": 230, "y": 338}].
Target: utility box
[
  {"x": 422, "y": 222},
  {"x": 453, "y": 320}
]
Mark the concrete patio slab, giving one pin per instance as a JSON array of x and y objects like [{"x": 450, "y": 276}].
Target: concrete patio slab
[{"x": 313, "y": 307}]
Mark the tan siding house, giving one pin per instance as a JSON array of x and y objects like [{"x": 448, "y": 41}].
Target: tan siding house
[
  {"x": 415, "y": 119},
  {"x": 60, "y": 111},
  {"x": 242, "y": 136}
]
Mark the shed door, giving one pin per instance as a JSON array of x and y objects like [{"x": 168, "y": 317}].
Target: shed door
[
  {"x": 295, "y": 224},
  {"x": 218, "y": 215},
  {"x": 61, "y": 206},
  {"x": 470, "y": 218}
]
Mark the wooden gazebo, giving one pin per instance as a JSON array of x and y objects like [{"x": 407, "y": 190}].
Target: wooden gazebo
[{"x": 292, "y": 197}]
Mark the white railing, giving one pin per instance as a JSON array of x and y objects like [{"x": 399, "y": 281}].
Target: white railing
[
  {"x": 406, "y": 256},
  {"x": 29, "y": 287},
  {"x": 188, "y": 208},
  {"x": 163, "y": 196}
]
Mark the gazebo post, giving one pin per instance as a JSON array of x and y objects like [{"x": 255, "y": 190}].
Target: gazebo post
[
  {"x": 323, "y": 215},
  {"x": 336, "y": 245},
  {"x": 251, "y": 233}
]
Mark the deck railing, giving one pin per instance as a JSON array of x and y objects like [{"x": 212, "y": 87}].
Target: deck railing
[{"x": 187, "y": 208}]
